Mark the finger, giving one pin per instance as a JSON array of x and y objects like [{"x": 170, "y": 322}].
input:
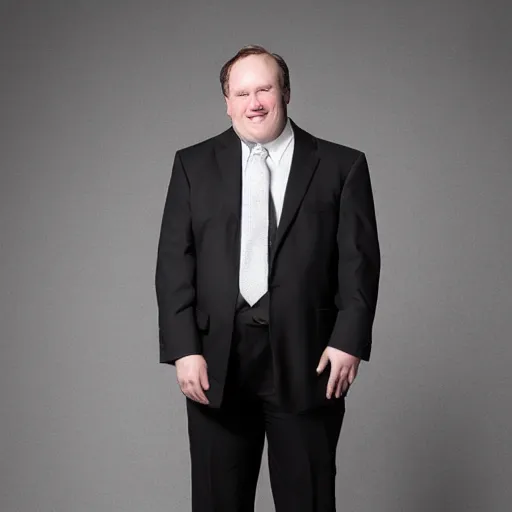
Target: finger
[
  {"x": 333, "y": 380},
  {"x": 190, "y": 390},
  {"x": 341, "y": 379},
  {"x": 198, "y": 390},
  {"x": 352, "y": 374},
  {"x": 200, "y": 394},
  {"x": 183, "y": 385},
  {"x": 324, "y": 359},
  {"x": 186, "y": 392},
  {"x": 338, "y": 388},
  {"x": 191, "y": 386},
  {"x": 203, "y": 378}
]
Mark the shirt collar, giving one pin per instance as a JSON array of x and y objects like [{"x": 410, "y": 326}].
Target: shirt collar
[{"x": 277, "y": 147}]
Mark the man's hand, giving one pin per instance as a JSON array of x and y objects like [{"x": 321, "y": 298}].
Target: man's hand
[
  {"x": 343, "y": 370},
  {"x": 193, "y": 377}
]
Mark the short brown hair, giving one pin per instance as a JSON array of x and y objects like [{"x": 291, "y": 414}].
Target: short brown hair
[{"x": 254, "y": 50}]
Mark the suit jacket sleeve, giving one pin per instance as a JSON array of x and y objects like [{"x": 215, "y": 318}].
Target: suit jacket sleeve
[
  {"x": 359, "y": 264},
  {"x": 175, "y": 272}
]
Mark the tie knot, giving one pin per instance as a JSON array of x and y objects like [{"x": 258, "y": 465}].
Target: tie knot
[{"x": 259, "y": 150}]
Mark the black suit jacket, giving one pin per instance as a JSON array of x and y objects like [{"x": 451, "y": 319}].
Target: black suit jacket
[{"x": 324, "y": 273}]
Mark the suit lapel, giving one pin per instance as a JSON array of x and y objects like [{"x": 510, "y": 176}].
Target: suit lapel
[
  {"x": 228, "y": 153},
  {"x": 304, "y": 163}
]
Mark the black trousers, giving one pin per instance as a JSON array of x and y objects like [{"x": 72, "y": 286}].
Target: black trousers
[{"x": 226, "y": 444}]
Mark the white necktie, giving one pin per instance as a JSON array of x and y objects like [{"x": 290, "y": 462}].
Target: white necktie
[{"x": 254, "y": 234}]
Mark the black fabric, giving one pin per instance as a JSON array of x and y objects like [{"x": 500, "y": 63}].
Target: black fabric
[
  {"x": 226, "y": 444},
  {"x": 324, "y": 272}
]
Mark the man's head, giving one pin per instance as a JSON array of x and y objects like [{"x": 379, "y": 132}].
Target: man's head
[{"x": 256, "y": 87}]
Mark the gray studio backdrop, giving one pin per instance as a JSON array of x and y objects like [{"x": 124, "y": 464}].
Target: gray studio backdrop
[{"x": 96, "y": 96}]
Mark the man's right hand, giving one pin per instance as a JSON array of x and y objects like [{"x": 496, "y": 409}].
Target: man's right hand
[{"x": 193, "y": 377}]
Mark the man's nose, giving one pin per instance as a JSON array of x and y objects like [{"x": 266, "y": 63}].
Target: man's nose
[{"x": 254, "y": 103}]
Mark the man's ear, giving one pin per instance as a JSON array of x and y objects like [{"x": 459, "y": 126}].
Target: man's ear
[
  {"x": 286, "y": 96},
  {"x": 228, "y": 106}
]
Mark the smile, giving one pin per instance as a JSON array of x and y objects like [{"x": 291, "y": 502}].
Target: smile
[{"x": 258, "y": 118}]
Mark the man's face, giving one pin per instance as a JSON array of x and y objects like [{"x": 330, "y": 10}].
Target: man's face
[{"x": 255, "y": 100}]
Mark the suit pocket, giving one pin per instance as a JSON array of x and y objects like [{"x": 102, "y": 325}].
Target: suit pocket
[{"x": 202, "y": 321}]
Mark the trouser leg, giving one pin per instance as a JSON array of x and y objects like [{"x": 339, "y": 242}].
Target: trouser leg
[
  {"x": 302, "y": 457},
  {"x": 226, "y": 444},
  {"x": 226, "y": 448}
]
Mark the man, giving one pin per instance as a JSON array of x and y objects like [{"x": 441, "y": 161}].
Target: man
[{"x": 267, "y": 280}]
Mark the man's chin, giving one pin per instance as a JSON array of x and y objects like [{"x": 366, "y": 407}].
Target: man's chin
[{"x": 259, "y": 134}]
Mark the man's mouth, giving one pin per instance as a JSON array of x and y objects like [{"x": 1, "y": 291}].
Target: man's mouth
[{"x": 258, "y": 118}]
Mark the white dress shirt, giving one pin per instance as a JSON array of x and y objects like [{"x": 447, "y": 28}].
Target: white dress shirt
[{"x": 279, "y": 161}]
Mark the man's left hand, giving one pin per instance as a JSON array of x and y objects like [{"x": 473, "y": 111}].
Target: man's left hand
[{"x": 343, "y": 370}]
